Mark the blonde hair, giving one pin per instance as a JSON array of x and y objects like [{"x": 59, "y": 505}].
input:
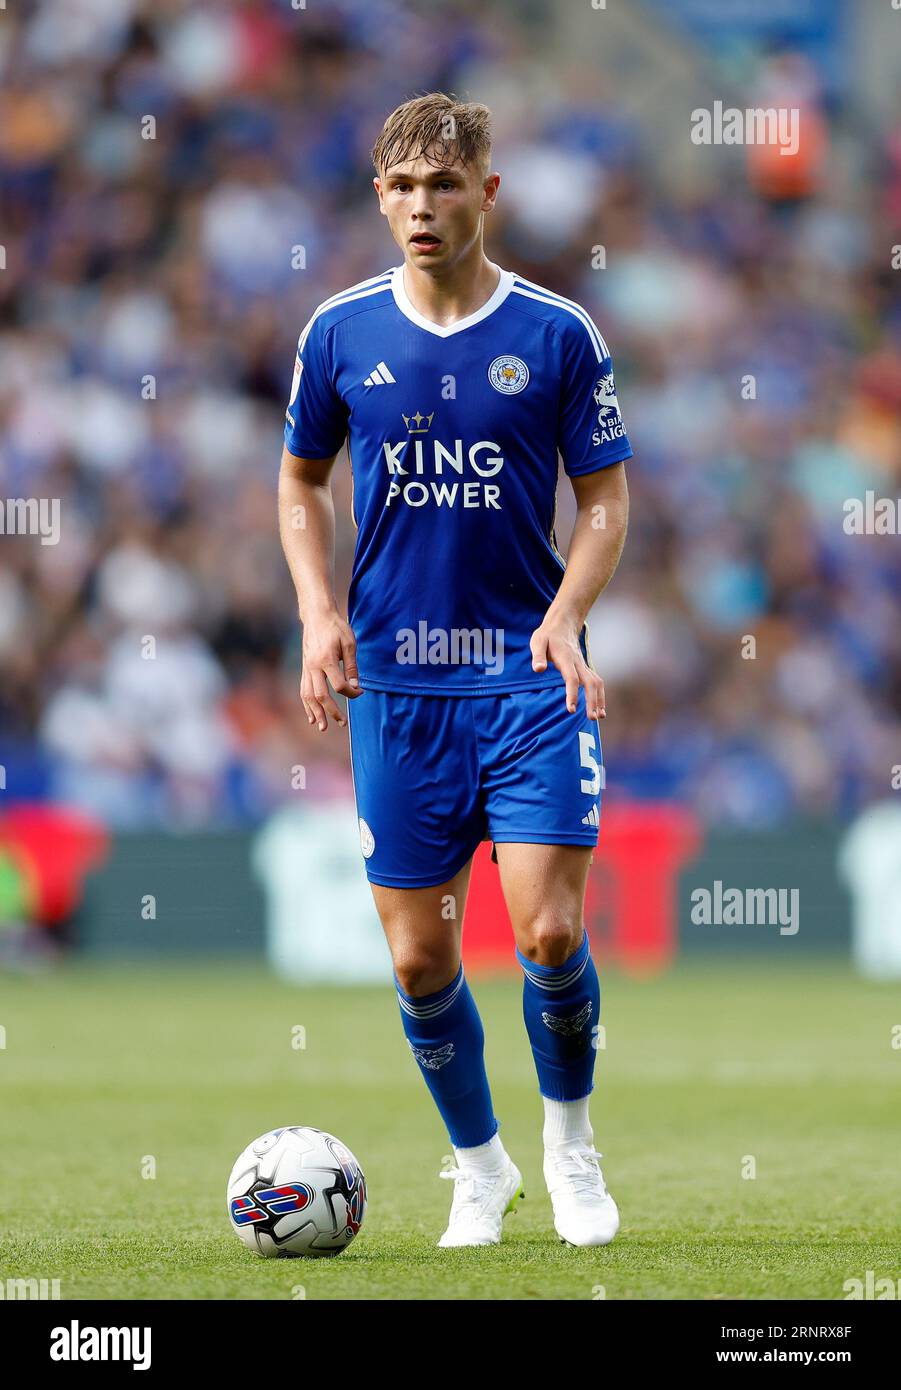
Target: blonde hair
[{"x": 436, "y": 127}]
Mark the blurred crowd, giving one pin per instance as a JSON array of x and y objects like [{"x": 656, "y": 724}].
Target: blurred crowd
[{"x": 183, "y": 183}]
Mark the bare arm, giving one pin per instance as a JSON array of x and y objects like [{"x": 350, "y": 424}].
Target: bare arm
[
  {"x": 597, "y": 542},
  {"x": 306, "y": 519}
]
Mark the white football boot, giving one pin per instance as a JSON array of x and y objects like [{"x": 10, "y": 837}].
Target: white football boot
[
  {"x": 584, "y": 1211},
  {"x": 482, "y": 1199}
]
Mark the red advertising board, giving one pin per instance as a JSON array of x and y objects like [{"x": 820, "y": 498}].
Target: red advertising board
[{"x": 631, "y": 899}]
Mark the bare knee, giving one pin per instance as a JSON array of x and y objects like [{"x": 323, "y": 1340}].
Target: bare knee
[
  {"x": 420, "y": 972},
  {"x": 551, "y": 936}
]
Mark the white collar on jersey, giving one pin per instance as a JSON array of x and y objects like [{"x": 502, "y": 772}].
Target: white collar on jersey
[{"x": 401, "y": 299}]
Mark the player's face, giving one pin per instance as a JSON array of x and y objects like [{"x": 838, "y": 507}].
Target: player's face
[{"x": 435, "y": 211}]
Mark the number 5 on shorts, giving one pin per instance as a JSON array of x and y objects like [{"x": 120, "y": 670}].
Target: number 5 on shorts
[{"x": 590, "y": 785}]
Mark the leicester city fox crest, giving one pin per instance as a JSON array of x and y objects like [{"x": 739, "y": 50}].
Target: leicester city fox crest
[
  {"x": 568, "y": 1026},
  {"x": 433, "y": 1058}
]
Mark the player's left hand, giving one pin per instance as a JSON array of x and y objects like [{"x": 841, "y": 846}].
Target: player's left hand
[{"x": 557, "y": 640}]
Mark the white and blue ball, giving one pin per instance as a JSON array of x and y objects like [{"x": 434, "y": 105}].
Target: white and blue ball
[{"x": 296, "y": 1191}]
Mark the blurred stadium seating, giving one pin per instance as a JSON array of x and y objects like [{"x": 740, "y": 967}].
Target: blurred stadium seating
[{"x": 149, "y": 307}]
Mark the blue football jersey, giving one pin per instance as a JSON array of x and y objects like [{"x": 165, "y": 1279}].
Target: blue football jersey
[{"x": 453, "y": 434}]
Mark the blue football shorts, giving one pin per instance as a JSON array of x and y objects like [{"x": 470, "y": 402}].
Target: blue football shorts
[{"x": 434, "y": 775}]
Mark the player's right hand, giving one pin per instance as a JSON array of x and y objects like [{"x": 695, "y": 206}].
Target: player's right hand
[{"x": 328, "y": 644}]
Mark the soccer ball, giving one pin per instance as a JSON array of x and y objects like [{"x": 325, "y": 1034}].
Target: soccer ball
[{"x": 296, "y": 1191}]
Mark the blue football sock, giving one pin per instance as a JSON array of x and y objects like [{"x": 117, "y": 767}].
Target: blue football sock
[
  {"x": 446, "y": 1038},
  {"x": 561, "y": 1006}
]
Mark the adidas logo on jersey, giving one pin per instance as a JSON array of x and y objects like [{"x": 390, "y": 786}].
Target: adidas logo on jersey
[
  {"x": 381, "y": 376},
  {"x": 592, "y": 818}
]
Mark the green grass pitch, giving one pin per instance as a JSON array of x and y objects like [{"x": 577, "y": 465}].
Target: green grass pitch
[{"x": 791, "y": 1066}]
